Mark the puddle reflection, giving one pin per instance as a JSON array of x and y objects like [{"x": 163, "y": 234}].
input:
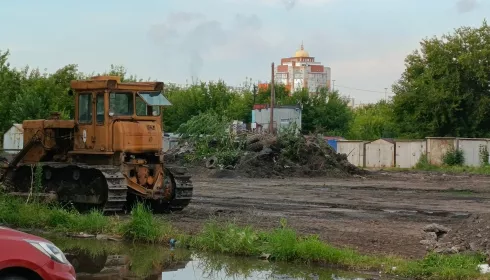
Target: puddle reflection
[{"x": 103, "y": 260}]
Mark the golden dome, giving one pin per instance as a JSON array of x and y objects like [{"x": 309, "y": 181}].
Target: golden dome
[{"x": 302, "y": 52}]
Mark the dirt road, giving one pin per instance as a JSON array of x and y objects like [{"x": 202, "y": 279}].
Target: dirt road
[{"x": 381, "y": 213}]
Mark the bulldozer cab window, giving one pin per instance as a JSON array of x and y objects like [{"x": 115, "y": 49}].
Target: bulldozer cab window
[
  {"x": 142, "y": 109},
  {"x": 100, "y": 109},
  {"x": 85, "y": 108},
  {"x": 121, "y": 103}
]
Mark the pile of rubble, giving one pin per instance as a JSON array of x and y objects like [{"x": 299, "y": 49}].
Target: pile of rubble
[
  {"x": 266, "y": 156},
  {"x": 269, "y": 156},
  {"x": 433, "y": 234},
  {"x": 472, "y": 235}
]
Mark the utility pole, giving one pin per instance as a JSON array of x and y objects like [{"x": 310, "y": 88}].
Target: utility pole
[
  {"x": 255, "y": 92},
  {"x": 271, "y": 125},
  {"x": 386, "y": 94},
  {"x": 333, "y": 86}
]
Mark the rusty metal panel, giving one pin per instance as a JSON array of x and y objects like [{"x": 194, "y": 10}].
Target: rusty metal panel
[
  {"x": 140, "y": 86},
  {"x": 82, "y": 85},
  {"x": 59, "y": 124},
  {"x": 135, "y": 137},
  {"x": 37, "y": 124},
  {"x": 437, "y": 147},
  {"x": 114, "y": 83}
]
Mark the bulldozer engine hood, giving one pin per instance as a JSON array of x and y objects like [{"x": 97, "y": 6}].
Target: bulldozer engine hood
[{"x": 136, "y": 137}]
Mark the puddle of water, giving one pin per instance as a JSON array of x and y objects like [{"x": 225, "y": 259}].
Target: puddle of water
[{"x": 95, "y": 259}]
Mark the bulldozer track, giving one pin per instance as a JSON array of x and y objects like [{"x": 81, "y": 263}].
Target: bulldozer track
[
  {"x": 183, "y": 188},
  {"x": 117, "y": 188}
]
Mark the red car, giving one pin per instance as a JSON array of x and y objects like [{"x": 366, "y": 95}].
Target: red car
[{"x": 28, "y": 257}]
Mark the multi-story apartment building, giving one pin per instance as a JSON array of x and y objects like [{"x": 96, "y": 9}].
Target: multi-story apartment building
[{"x": 302, "y": 71}]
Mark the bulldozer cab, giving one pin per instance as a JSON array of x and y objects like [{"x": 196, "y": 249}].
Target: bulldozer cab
[{"x": 111, "y": 116}]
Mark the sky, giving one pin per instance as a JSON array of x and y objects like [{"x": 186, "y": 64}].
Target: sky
[{"x": 364, "y": 42}]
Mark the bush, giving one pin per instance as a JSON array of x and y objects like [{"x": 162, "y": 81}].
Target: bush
[
  {"x": 484, "y": 156},
  {"x": 423, "y": 163},
  {"x": 453, "y": 158}
]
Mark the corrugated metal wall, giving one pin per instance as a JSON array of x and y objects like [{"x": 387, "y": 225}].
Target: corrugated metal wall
[{"x": 408, "y": 153}]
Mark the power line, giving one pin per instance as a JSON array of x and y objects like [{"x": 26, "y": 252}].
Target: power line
[{"x": 359, "y": 89}]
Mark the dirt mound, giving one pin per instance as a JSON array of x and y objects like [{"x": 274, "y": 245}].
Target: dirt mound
[
  {"x": 266, "y": 156},
  {"x": 269, "y": 156},
  {"x": 472, "y": 235}
]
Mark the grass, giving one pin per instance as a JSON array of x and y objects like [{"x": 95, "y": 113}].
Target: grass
[
  {"x": 424, "y": 165},
  {"x": 282, "y": 243},
  {"x": 144, "y": 227},
  {"x": 141, "y": 226},
  {"x": 477, "y": 170}
]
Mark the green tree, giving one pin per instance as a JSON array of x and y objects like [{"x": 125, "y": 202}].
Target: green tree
[
  {"x": 205, "y": 97},
  {"x": 281, "y": 95},
  {"x": 324, "y": 112},
  {"x": 10, "y": 85},
  {"x": 372, "y": 122},
  {"x": 445, "y": 89}
]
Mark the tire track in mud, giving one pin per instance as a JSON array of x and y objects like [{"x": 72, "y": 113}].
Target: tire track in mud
[
  {"x": 308, "y": 209},
  {"x": 426, "y": 187}
]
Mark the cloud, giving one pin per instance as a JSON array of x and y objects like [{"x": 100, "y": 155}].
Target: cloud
[
  {"x": 201, "y": 39},
  {"x": 466, "y": 6},
  {"x": 184, "y": 17},
  {"x": 288, "y": 4}
]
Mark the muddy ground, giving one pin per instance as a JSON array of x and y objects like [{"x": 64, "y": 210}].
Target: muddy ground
[{"x": 383, "y": 213}]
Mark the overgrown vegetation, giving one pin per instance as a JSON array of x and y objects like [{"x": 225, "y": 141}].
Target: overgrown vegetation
[
  {"x": 454, "y": 157},
  {"x": 209, "y": 133},
  {"x": 423, "y": 163},
  {"x": 142, "y": 226},
  {"x": 484, "y": 156},
  {"x": 459, "y": 167}
]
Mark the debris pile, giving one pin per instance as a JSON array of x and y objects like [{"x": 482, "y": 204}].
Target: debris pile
[
  {"x": 266, "y": 156},
  {"x": 472, "y": 235},
  {"x": 269, "y": 156},
  {"x": 433, "y": 233},
  {"x": 178, "y": 154}
]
